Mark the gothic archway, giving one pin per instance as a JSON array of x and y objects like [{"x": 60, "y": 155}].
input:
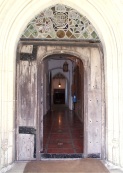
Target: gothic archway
[{"x": 59, "y": 26}]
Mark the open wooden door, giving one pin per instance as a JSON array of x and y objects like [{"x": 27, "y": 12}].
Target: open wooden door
[{"x": 26, "y": 108}]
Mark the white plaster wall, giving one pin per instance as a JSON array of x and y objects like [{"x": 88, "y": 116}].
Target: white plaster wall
[{"x": 107, "y": 17}]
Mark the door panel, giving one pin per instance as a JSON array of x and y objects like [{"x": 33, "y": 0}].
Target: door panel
[
  {"x": 26, "y": 147},
  {"x": 27, "y": 109},
  {"x": 27, "y": 94},
  {"x": 94, "y": 103}
]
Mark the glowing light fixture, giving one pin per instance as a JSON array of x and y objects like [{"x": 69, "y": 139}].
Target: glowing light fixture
[
  {"x": 59, "y": 85},
  {"x": 59, "y": 82}
]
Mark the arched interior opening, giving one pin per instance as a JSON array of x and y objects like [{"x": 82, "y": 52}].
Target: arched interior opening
[
  {"x": 59, "y": 89},
  {"x": 63, "y": 119}
]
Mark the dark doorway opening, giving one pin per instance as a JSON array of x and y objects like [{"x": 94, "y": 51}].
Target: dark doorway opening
[{"x": 59, "y": 96}]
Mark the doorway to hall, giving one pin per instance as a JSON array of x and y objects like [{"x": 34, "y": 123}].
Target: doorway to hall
[
  {"x": 63, "y": 127},
  {"x": 59, "y": 96},
  {"x": 59, "y": 85}
]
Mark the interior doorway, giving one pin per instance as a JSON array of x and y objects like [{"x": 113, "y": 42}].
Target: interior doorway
[
  {"x": 63, "y": 124},
  {"x": 59, "y": 96}
]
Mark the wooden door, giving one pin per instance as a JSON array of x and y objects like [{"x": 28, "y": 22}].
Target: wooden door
[
  {"x": 26, "y": 109},
  {"x": 95, "y": 104}
]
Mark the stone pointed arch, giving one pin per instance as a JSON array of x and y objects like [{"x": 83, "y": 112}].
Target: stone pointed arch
[{"x": 106, "y": 17}]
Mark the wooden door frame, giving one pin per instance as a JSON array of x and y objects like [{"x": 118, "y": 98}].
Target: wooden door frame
[{"x": 40, "y": 58}]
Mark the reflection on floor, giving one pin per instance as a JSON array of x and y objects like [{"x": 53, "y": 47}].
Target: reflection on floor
[{"x": 63, "y": 132}]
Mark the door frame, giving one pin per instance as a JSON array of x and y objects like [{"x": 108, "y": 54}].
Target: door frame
[{"x": 40, "y": 57}]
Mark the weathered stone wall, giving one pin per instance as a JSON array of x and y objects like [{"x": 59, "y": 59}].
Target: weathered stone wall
[{"x": 107, "y": 17}]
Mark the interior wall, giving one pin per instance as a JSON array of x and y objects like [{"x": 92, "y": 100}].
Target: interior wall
[{"x": 107, "y": 18}]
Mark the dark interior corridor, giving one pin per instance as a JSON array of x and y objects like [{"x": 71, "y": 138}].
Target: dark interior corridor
[{"x": 63, "y": 132}]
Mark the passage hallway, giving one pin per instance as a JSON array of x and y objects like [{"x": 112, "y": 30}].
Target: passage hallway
[{"x": 63, "y": 132}]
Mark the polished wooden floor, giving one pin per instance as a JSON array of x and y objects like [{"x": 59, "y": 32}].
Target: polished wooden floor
[{"x": 63, "y": 132}]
